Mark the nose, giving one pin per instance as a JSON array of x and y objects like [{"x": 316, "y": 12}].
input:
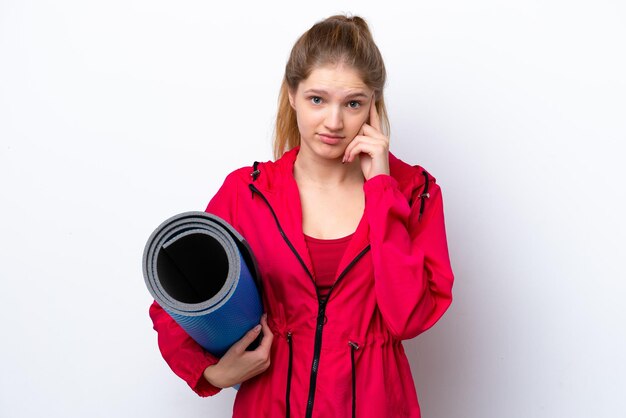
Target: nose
[{"x": 334, "y": 119}]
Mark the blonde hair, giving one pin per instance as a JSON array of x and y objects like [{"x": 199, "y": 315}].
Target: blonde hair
[{"x": 336, "y": 40}]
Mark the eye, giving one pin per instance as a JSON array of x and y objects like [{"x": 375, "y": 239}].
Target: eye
[
  {"x": 315, "y": 100},
  {"x": 354, "y": 104}
]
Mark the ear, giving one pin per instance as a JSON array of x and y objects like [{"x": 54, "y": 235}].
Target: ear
[{"x": 292, "y": 99}]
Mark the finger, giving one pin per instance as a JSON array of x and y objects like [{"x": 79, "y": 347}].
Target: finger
[
  {"x": 366, "y": 146},
  {"x": 268, "y": 336},
  {"x": 381, "y": 140},
  {"x": 351, "y": 145},
  {"x": 374, "y": 118},
  {"x": 249, "y": 337},
  {"x": 349, "y": 151},
  {"x": 357, "y": 150},
  {"x": 354, "y": 148},
  {"x": 372, "y": 132}
]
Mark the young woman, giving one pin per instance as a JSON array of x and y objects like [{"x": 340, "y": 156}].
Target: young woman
[{"x": 350, "y": 243}]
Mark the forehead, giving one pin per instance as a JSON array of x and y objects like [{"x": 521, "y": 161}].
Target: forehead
[{"x": 334, "y": 79}]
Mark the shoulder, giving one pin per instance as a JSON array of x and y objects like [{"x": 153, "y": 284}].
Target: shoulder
[
  {"x": 411, "y": 179},
  {"x": 265, "y": 175}
]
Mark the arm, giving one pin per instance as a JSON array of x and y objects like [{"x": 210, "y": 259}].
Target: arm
[
  {"x": 185, "y": 357},
  {"x": 413, "y": 277}
]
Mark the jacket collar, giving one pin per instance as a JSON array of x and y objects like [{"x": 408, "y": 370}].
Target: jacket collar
[
  {"x": 280, "y": 171},
  {"x": 277, "y": 183}
]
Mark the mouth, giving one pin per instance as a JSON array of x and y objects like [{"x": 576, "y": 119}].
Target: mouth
[{"x": 330, "y": 139}]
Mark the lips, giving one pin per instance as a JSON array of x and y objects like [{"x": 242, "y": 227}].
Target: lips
[{"x": 330, "y": 139}]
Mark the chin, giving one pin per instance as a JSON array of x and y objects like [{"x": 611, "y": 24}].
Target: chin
[{"x": 331, "y": 152}]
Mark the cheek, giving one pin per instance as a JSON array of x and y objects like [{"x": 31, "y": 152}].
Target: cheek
[
  {"x": 302, "y": 121},
  {"x": 304, "y": 125},
  {"x": 306, "y": 119},
  {"x": 355, "y": 124}
]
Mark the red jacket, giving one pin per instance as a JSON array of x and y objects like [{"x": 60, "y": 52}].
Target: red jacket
[{"x": 334, "y": 358}]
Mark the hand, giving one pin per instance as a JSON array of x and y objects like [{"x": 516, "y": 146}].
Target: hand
[
  {"x": 371, "y": 146},
  {"x": 237, "y": 364}
]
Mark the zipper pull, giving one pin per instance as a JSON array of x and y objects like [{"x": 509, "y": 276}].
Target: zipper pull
[
  {"x": 425, "y": 195},
  {"x": 255, "y": 173}
]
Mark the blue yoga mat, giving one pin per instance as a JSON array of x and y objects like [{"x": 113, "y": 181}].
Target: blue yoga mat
[{"x": 204, "y": 275}]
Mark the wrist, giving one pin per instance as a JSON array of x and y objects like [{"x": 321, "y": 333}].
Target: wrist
[
  {"x": 377, "y": 170},
  {"x": 212, "y": 375}
]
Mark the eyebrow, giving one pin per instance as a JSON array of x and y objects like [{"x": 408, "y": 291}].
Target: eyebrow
[{"x": 349, "y": 96}]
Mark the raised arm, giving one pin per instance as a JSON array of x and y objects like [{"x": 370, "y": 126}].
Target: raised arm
[{"x": 413, "y": 276}]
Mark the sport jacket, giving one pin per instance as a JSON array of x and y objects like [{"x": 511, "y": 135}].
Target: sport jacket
[{"x": 342, "y": 356}]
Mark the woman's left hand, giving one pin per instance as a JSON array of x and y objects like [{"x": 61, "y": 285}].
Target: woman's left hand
[{"x": 371, "y": 146}]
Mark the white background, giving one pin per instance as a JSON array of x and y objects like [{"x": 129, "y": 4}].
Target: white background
[{"x": 117, "y": 114}]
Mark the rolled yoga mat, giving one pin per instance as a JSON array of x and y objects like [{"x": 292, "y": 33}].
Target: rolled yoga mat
[{"x": 203, "y": 274}]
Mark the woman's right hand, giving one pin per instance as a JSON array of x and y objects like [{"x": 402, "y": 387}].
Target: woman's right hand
[{"x": 238, "y": 365}]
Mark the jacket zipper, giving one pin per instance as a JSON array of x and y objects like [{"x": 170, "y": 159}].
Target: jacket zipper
[
  {"x": 288, "y": 393},
  {"x": 353, "y": 347},
  {"x": 280, "y": 229},
  {"x": 322, "y": 302},
  {"x": 317, "y": 348}
]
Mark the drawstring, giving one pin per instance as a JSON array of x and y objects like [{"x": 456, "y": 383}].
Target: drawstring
[
  {"x": 289, "y": 376},
  {"x": 354, "y": 346},
  {"x": 424, "y": 195}
]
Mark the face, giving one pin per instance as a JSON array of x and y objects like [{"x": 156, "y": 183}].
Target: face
[{"x": 331, "y": 106}]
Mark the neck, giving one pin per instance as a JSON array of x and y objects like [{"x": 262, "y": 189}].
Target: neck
[{"x": 310, "y": 168}]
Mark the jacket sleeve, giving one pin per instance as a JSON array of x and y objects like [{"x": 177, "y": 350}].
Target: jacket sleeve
[
  {"x": 412, "y": 272},
  {"x": 186, "y": 358}
]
